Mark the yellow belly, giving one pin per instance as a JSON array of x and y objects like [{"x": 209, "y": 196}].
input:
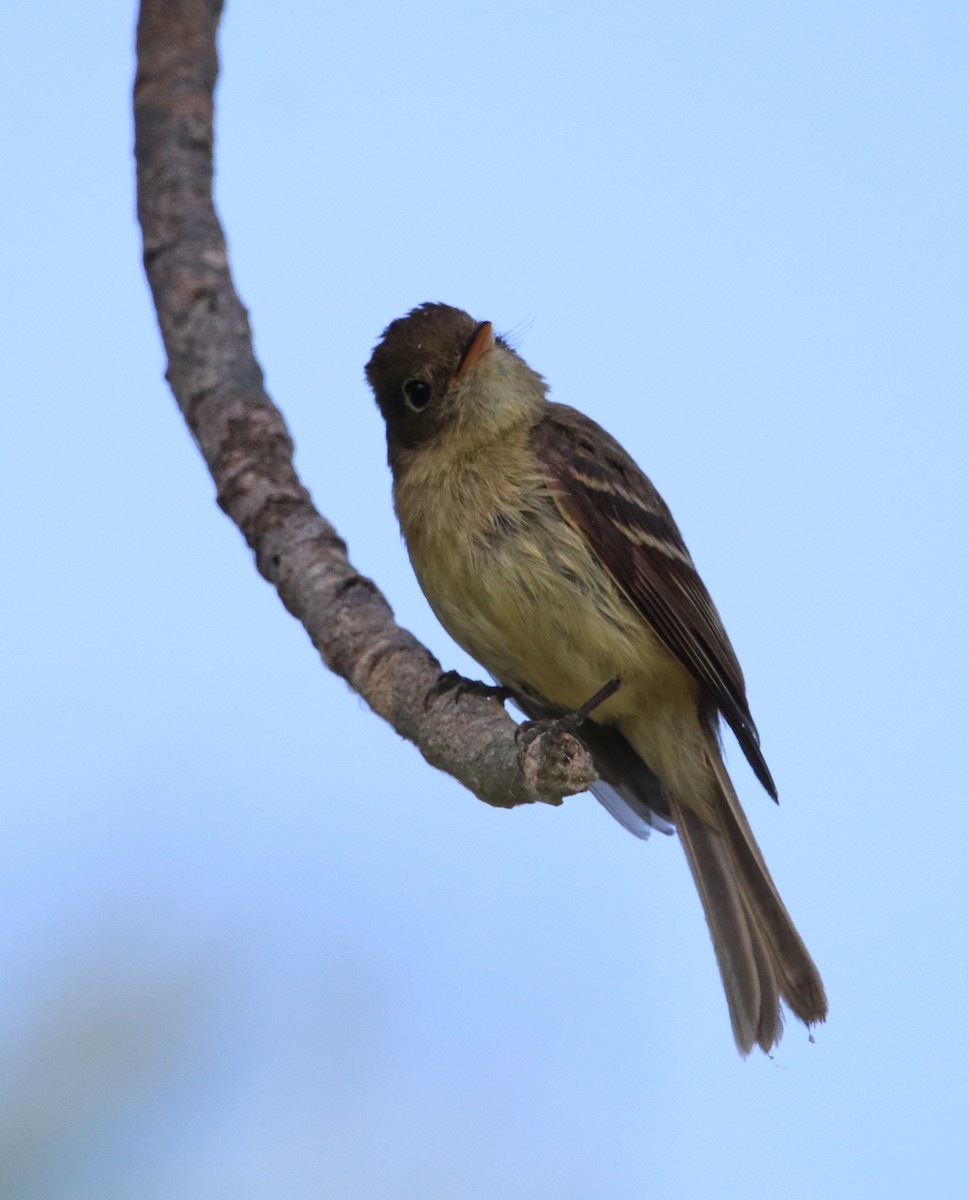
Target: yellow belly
[
  {"x": 525, "y": 595},
  {"x": 528, "y": 599}
]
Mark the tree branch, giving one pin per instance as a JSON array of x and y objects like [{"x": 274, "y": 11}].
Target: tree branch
[{"x": 218, "y": 385}]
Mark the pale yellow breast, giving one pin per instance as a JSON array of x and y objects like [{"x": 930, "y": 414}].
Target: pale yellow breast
[{"x": 520, "y": 590}]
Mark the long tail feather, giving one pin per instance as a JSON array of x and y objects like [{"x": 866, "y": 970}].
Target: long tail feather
[{"x": 761, "y": 956}]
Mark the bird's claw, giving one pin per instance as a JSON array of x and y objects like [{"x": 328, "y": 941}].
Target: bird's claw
[
  {"x": 568, "y": 723},
  {"x": 453, "y": 682}
]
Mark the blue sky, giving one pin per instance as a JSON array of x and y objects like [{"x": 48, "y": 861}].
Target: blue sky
[{"x": 250, "y": 943}]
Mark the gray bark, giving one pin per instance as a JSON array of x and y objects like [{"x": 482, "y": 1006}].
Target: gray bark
[{"x": 218, "y": 385}]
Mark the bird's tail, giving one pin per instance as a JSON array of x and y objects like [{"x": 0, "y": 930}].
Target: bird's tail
[{"x": 761, "y": 956}]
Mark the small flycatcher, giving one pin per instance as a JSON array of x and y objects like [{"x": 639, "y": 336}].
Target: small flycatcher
[{"x": 549, "y": 557}]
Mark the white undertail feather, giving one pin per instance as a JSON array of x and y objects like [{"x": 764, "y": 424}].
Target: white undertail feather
[{"x": 639, "y": 820}]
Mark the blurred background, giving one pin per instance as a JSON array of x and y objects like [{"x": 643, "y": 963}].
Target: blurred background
[{"x": 250, "y": 944}]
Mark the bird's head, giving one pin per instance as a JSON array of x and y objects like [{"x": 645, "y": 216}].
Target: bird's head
[{"x": 438, "y": 373}]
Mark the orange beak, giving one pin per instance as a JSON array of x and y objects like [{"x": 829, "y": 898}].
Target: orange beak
[{"x": 481, "y": 343}]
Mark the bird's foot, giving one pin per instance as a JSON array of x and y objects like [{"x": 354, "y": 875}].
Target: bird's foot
[{"x": 528, "y": 731}]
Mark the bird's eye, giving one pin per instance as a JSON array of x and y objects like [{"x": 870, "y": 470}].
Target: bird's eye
[{"x": 417, "y": 392}]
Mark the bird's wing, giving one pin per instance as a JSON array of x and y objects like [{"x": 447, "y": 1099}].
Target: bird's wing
[{"x": 604, "y": 495}]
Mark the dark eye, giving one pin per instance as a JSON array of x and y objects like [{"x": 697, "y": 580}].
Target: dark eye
[{"x": 417, "y": 392}]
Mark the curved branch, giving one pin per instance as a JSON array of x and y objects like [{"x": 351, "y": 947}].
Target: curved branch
[{"x": 218, "y": 385}]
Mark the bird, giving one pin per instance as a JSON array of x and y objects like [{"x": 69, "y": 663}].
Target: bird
[{"x": 549, "y": 556}]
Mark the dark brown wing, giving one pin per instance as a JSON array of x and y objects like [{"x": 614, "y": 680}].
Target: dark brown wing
[{"x": 603, "y": 494}]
